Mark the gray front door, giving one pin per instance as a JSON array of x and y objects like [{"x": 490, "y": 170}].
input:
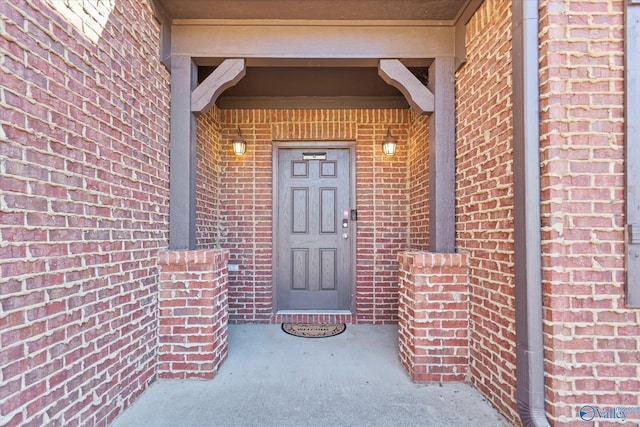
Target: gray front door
[{"x": 313, "y": 262}]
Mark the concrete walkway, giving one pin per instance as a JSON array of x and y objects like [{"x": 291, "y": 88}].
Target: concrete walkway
[{"x": 274, "y": 379}]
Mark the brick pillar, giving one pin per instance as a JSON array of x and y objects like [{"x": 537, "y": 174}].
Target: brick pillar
[
  {"x": 193, "y": 313},
  {"x": 433, "y": 316}
]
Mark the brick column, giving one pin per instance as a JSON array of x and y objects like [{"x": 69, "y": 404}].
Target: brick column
[
  {"x": 193, "y": 313},
  {"x": 433, "y": 316}
]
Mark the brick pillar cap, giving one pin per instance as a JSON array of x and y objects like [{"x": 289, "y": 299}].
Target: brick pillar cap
[
  {"x": 425, "y": 258},
  {"x": 200, "y": 256}
]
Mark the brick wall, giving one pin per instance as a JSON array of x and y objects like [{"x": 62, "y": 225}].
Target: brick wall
[
  {"x": 592, "y": 344},
  {"x": 382, "y": 199},
  {"x": 245, "y": 193},
  {"x": 484, "y": 197},
  {"x": 83, "y": 208},
  {"x": 208, "y": 221},
  {"x": 245, "y": 203},
  {"x": 433, "y": 318},
  {"x": 193, "y": 313},
  {"x": 419, "y": 183}
]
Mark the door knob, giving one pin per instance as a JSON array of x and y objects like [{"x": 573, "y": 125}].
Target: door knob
[{"x": 345, "y": 236}]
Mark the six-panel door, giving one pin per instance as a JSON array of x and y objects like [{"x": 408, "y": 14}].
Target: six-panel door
[{"x": 313, "y": 229}]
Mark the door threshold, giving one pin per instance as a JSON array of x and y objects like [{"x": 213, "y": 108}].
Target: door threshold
[{"x": 311, "y": 312}]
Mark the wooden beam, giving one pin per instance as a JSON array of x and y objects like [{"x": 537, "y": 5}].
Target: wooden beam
[
  {"x": 307, "y": 102},
  {"x": 442, "y": 236},
  {"x": 466, "y": 13},
  {"x": 163, "y": 19},
  {"x": 632, "y": 150},
  {"x": 397, "y": 75},
  {"x": 311, "y": 39},
  {"x": 227, "y": 74},
  {"x": 182, "y": 157}
]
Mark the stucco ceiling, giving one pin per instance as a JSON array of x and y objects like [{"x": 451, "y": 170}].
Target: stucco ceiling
[{"x": 313, "y": 9}]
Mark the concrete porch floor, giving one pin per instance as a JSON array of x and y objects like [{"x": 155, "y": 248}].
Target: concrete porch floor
[{"x": 274, "y": 379}]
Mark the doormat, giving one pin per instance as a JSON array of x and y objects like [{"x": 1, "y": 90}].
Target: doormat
[{"x": 310, "y": 330}]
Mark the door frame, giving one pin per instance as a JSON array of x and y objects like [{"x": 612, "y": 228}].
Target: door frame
[{"x": 313, "y": 145}]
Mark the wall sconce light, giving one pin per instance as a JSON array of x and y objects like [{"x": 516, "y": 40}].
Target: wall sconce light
[
  {"x": 389, "y": 144},
  {"x": 239, "y": 144}
]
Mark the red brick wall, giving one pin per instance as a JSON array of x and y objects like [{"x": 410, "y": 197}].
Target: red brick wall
[
  {"x": 484, "y": 200},
  {"x": 208, "y": 220},
  {"x": 83, "y": 210},
  {"x": 592, "y": 349},
  {"x": 419, "y": 183},
  {"x": 245, "y": 193},
  {"x": 245, "y": 204},
  {"x": 382, "y": 201},
  {"x": 433, "y": 318},
  {"x": 192, "y": 313}
]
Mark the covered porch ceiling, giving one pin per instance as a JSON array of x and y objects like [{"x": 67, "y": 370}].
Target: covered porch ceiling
[
  {"x": 321, "y": 81},
  {"x": 313, "y": 54},
  {"x": 352, "y": 10}
]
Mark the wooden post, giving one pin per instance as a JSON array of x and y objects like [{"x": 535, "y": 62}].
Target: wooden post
[
  {"x": 182, "y": 161},
  {"x": 442, "y": 156}
]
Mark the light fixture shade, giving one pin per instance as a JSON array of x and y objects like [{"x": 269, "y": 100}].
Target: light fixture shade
[
  {"x": 239, "y": 147},
  {"x": 389, "y": 144},
  {"x": 239, "y": 144}
]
